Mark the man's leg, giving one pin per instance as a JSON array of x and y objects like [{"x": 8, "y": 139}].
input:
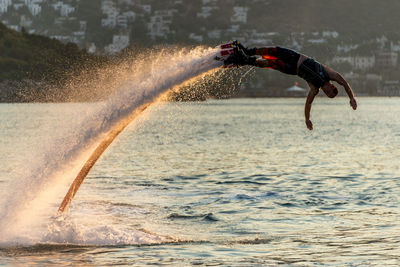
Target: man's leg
[
  {"x": 275, "y": 64},
  {"x": 278, "y": 58}
]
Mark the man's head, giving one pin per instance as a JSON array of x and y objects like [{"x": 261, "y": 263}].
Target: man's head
[{"x": 329, "y": 89}]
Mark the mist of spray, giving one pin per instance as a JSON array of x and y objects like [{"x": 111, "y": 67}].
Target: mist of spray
[{"x": 58, "y": 161}]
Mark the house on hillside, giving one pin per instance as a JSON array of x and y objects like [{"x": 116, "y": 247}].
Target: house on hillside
[
  {"x": 119, "y": 43},
  {"x": 239, "y": 14},
  {"x": 386, "y": 60},
  {"x": 159, "y": 23}
]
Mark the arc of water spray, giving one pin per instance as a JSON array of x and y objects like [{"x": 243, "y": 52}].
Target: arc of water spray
[
  {"x": 134, "y": 89},
  {"x": 73, "y": 189},
  {"x": 104, "y": 144}
]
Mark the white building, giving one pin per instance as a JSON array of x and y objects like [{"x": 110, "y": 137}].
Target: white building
[
  {"x": 92, "y": 48},
  {"x": 107, "y": 5},
  {"x": 195, "y": 37},
  {"x": 82, "y": 25},
  {"x": 382, "y": 41},
  {"x": 25, "y": 22},
  {"x": 395, "y": 47},
  {"x": 330, "y": 34},
  {"x": 119, "y": 43},
  {"x": 159, "y": 23},
  {"x": 239, "y": 14},
  {"x": 386, "y": 59},
  {"x": 364, "y": 63},
  {"x": 373, "y": 77},
  {"x": 233, "y": 29},
  {"x": 110, "y": 10},
  {"x": 57, "y": 5},
  {"x": 122, "y": 21},
  {"x": 205, "y": 12},
  {"x": 14, "y": 27},
  {"x": 214, "y": 34},
  {"x": 60, "y": 21},
  {"x": 208, "y": 2},
  {"x": 146, "y": 9},
  {"x": 4, "y": 4},
  {"x": 17, "y": 6},
  {"x": 78, "y": 37},
  {"x": 296, "y": 90},
  {"x": 126, "y": 2},
  {"x": 79, "y": 34},
  {"x": 111, "y": 19},
  {"x": 62, "y": 38},
  {"x": 27, "y": 2},
  {"x": 340, "y": 60},
  {"x": 316, "y": 41},
  {"x": 357, "y": 62},
  {"x": 130, "y": 15},
  {"x": 35, "y": 9},
  {"x": 390, "y": 88},
  {"x": 157, "y": 27},
  {"x": 346, "y": 48},
  {"x": 66, "y": 10},
  {"x": 3, "y": 8},
  {"x": 256, "y": 38}
]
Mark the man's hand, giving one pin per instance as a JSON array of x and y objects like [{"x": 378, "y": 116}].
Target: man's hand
[
  {"x": 353, "y": 103},
  {"x": 309, "y": 125}
]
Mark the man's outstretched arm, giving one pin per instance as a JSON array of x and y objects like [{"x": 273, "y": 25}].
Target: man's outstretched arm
[
  {"x": 337, "y": 77},
  {"x": 307, "y": 109}
]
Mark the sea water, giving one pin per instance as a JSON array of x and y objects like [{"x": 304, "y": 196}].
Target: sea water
[{"x": 238, "y": 182}]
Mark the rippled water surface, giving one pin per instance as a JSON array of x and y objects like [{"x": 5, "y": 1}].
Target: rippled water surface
[{"x": 232, "y": 182}]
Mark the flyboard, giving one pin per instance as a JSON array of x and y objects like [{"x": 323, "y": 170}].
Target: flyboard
[{"x": 227, "y": 54}]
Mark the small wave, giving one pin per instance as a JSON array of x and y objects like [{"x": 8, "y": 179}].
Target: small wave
[
  {"x": 39, "y": 248},
  {"x": 255, "y": 241},
  {"x": 243, "y": 197},
  {"x": 63, "y": 231},
  {"x": 241, "y": 182},
  {"x": 206, "y": 217},
  {"x": 111, "y": 203},
  {"x": 287, "y": 204}
]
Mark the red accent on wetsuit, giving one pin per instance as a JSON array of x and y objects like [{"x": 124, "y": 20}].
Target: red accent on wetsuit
[
  {"x": 281, "y": 59},
  {"x": 268, "y": 57}
]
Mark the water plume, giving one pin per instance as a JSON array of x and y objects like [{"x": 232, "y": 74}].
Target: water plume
[{"x": 134, "y": 86}]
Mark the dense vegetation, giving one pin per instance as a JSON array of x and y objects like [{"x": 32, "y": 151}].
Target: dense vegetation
[
  {"x": 27, "y": 56},
  {"x": 40, "y": 63}
]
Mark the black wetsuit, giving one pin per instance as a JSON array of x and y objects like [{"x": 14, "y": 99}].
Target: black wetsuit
[
  {"x": 285, "y": 60},
  {"x": 313, "y": 72}
]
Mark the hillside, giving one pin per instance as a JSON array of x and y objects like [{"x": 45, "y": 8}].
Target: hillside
[
  {"x": 38, "y": 62},
  {"x": 37, "y": 57}
]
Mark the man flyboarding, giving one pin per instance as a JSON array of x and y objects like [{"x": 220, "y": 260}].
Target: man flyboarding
[{"x": 317, "y": 75}]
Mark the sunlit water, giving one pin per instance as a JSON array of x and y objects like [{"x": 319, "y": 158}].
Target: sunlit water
[{"x": 233, "y": 182}]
